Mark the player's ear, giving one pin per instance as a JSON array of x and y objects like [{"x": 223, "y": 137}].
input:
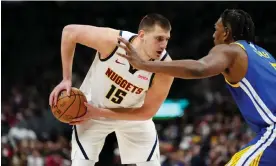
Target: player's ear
[
  {"x": 226, "y": 33},
  {"x": 141, "y": 34}
]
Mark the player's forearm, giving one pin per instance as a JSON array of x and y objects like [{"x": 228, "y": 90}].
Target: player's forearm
[
  {"x": 68, "y": 46},
  {"x": 126, "y": 114},
  {"x": 187, "y": 69}
]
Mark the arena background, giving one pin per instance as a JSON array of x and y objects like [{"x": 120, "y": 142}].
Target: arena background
[{"x": 209, "y": 132}]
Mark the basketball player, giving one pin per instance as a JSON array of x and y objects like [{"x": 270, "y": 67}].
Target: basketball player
[
  {"x": 120, "y": 97},
  {"x": 249, "y": 71}
]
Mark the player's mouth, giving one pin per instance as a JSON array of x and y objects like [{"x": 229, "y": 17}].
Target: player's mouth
[{"x": 159, "y": 52}]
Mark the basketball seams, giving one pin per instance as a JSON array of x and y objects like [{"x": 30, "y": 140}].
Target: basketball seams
[
  {"x": 69, "y": 105},
  {"x": 57, "y": 110},
  {"x": 68, "y": 96}
]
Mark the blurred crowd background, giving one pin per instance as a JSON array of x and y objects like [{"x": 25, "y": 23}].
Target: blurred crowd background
[{"x": 210, "y": 131}]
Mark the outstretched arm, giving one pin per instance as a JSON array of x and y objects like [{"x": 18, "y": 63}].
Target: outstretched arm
[{"x": 218, "y": 59}]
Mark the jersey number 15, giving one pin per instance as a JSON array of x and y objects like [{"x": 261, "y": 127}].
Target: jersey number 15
[{"x": 116, "y": 97}]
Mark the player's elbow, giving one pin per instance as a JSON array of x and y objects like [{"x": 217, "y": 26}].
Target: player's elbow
[
  {"x": 70, "y": 32},
  {"x": 147, "y": 115},
  {"x": 144, "y": 118},
  {"x": 197, "y": 73},
  {"x": 199, "y": 70}
]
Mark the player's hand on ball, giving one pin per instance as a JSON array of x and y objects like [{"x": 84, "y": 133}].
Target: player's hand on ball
[
  {"x": 131, "y": 54},
  {"x": 64, "y": 84},
  {"x": 92, "y": 113}
]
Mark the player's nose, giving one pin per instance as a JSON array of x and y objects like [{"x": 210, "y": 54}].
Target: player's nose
[
  {"x": 213, "y": 35},
  {"x": 163, "y": 46}
]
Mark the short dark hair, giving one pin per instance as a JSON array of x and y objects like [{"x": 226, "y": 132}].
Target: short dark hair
[
  {"x": 241, "y": 24},
  {"x": 150, "y": 20}
]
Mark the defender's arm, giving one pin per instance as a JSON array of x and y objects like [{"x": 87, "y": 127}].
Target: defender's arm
[{"x": 218, "y": 59}]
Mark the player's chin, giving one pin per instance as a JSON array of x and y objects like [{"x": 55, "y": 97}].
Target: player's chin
[
  {"x": 215, "y": 42},
  {"x": 156, "y": 56}
]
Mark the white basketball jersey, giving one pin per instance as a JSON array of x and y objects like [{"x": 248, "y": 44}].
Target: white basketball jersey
[{"x": 113, "y": 83}]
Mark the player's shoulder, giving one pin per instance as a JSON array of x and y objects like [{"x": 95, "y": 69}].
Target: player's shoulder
[
  {"x": 165, "y": 56},
  {"x": 227, "y": 49},
  {"x": 127, "y": 34},
  {"x": 162, "y": 79}
]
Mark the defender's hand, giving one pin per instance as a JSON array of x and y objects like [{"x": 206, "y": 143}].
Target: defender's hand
[
  {"x": 131, "y": 54},
  {"x": 64, "y": 84}
]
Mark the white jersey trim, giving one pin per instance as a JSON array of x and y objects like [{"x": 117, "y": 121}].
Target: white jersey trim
[
  {"x": 266, "y": 140},
  {"x": 259, "y": 100}
]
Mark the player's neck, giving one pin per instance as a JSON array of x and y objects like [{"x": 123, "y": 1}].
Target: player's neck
[
  {"x": 229, "y": 41},
  {"x": 141, "y": 52}
]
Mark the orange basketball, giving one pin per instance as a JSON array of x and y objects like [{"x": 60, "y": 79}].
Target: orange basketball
[{"x": 69, "y": 107}]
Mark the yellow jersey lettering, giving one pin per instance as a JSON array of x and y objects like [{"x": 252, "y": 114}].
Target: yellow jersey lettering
[
  {"x": 273, "y": 65},
  {"x": 262, "y": 54}
]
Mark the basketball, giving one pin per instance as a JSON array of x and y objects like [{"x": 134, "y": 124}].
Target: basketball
[{"x": 69, "y": 107}]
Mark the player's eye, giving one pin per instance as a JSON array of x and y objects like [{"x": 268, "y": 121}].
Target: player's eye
[{"x": 159, "y": 38}]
